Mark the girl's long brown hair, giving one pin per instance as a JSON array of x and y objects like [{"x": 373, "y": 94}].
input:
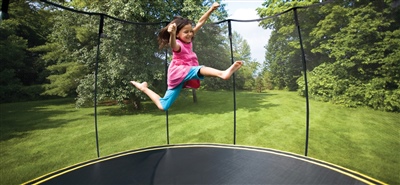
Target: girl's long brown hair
[{"x": 163, "y": 35}]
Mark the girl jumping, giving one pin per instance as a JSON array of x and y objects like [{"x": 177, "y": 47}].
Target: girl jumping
[{"x": 184, "y": 70}]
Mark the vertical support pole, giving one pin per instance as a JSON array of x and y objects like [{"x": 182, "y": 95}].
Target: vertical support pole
[
  {"x": 166, "y": 84},
  {"x": 305, "y": 81},
  {"x": 95, "y": 81},
  {"x": 234, "y": 84}
]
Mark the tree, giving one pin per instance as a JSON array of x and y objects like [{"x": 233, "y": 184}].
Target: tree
[
  {"x": 283, "y": 54},
  {"x": 128, "y": 51},
  {"x": 212, "y": 50},
  {"x": 351, "y": 49},
  {"x": 20, "y": 70},
  {"x": 364, "y": 43},
  {"x": 241, "y": 51}
]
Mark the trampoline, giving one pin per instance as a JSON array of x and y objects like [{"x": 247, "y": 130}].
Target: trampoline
[{"x": 204, "y": 164}]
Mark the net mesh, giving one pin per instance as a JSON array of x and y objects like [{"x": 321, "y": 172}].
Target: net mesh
[{"x": 221, "y": 111}]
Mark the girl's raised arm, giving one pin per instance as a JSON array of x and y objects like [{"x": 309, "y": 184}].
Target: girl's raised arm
[
  {"x": 172, "y": 37},
  {"x": 204, "y": 18}
]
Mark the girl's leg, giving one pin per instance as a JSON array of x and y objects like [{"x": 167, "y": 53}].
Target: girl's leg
[
  {"x": 153, "y": 96},
  {"x": 208, "y": 71}
]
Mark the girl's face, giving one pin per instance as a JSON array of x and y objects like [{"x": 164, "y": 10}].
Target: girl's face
[{"x": 186, "y": 34}]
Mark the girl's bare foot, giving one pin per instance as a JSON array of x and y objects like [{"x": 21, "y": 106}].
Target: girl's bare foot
[
  {"x": 233, "y": 68},
  {"x": 152, "y": 95},
  {"x": 140, "y": 86}
]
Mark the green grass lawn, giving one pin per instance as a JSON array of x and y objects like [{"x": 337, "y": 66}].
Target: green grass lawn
[{"x": 44, "y": 136}]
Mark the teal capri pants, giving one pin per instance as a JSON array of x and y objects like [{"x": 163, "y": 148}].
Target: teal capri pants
[{"x": 172, "y": 94}]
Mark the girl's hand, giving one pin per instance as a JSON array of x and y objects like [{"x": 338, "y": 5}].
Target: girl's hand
[
  {"x": 172, "y": 28},
  {"x": 215, "y": 6}
]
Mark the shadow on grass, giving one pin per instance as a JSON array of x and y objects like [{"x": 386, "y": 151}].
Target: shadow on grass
[
  {"x": 209, "y": 102},
  {"x": 127, "y": 109},
  {"x": 18, "y": 119},
  {"x": 221, "y": 102}
]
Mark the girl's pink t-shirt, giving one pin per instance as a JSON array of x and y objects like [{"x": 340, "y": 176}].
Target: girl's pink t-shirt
[{"x": 180, "y": 66}]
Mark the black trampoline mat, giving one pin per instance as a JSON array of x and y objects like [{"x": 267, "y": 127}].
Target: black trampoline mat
[{"x": 204, "y": 164}]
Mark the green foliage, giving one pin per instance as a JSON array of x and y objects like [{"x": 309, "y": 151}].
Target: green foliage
[
  {"x": 130, "y": 51},
  {"x": 16, "y": 92},
  {"x": 263, "y": 82},
  {"x": 212, "y": 51},
  {"x": 351, "y": 47},
  {"x": 283, "y": 54},
  {"x": 19, "y": 67},
  {"x": 64, "y": 78},
  {"x": 361, "y": 48},
  {"x": 8, "y": 93},
  {"x": 66, "y": 51},
  {"x": 32, "y": 92},
  {"x": 352, "y": 50},
  {"x": 331, "y": 82},
  {"x": 67, "y": 60},
  {"x": 241, "y": 51},
  {"x": 281, "y": 59}
]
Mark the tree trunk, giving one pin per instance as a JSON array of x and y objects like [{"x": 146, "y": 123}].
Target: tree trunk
[
  {"x": 194, "y": 96},
  {"x": 137, "y": 105}
]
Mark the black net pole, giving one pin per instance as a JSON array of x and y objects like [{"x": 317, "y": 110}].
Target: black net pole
[
  {"x": 305, "y": 80},
  {"x": 234, "y": 87},
  {"x": 166, "y": 83},
  {"x": 95, "y": 82}
]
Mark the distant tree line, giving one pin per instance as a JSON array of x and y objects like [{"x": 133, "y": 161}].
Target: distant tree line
[
  {"x": 352, "y": 50},
  {"x": 48, "y": 51}
]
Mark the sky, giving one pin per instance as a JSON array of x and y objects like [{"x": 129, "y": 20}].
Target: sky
[{"x": 255, "y": 36}]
